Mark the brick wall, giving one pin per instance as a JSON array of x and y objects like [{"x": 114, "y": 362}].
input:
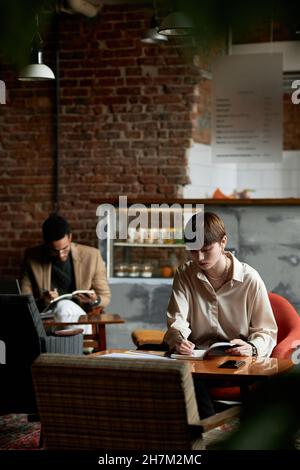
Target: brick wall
[
  {"x": 128, "y": 113},
  {"x": 125, "y": 125}
]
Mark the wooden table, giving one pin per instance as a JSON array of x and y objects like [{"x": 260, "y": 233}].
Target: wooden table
[
  {"x": 98, "y": 321},
  {"x": 255, "y": 369}
]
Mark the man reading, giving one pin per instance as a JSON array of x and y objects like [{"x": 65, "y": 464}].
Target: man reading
[{"x": 59, "y": 266}]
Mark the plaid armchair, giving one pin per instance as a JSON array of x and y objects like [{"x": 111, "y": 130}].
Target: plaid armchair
[
  {"x": 24, "y": 337},
  {"x": 104, "y": 403}
]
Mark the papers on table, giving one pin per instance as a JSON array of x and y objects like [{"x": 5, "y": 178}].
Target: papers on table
[{"x": 133, "y": 355}]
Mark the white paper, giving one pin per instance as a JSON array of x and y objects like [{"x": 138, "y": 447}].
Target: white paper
[
  {"x": 197, "y": 355},
  {"x": 133, "y": 355}
]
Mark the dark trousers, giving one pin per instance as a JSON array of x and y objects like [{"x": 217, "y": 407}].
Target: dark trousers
[{"x": 203, "y": 398}]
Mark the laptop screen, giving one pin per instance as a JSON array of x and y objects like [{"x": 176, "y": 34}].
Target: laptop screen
[
  {"x": 9, "y": 286},
  {"x": 18, "y": 287}
]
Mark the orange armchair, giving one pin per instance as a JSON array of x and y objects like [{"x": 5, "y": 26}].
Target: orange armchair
[{"x": 288, "y": 322}]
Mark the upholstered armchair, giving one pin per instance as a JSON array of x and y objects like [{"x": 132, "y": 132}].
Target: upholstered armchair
[
  {"x": 288, "y": 322},
  {"x": 149, "y": 340},
  {"x": 24, "y": 337},
  {"x": 119, "y": 404}
]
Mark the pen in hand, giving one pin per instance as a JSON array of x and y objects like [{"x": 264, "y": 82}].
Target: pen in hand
[{"x": 185, "y": 347}]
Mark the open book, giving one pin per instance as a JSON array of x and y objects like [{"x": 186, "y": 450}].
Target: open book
[
  {"x": 67, "y": 296},
  {"x": 215, "y": 349}
]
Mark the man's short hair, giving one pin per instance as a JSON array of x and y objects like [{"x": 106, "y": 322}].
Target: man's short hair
[{"x": 55, "y": 228}]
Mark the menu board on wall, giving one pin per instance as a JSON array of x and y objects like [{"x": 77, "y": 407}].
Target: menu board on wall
[{"x": 247, "y": 108}]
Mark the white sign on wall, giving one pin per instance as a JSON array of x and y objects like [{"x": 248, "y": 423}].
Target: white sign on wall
[{"x": 247, "y": 108}]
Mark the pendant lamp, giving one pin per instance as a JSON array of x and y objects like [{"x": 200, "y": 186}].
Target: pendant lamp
[{"x": 37, "y": 70}]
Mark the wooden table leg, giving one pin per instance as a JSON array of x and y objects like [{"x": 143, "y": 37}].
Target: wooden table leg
[{"x": 101, "y": 337}]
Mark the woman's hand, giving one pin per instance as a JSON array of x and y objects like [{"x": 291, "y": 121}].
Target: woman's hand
[
  {"x": 185, "y": 347},
  {"x": 242, "y": 348}
]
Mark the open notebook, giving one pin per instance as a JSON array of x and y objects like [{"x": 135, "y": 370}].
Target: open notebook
[{"x": 216, "y": 349}]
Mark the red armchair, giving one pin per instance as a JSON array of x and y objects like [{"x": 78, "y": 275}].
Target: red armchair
[{"x": 288, "y": 322}]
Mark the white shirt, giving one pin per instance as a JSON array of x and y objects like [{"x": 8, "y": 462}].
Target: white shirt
[{"x": 239, "y": 309}]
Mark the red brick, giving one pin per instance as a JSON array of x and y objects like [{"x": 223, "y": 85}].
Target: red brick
[{"x": 127, "y": 115}]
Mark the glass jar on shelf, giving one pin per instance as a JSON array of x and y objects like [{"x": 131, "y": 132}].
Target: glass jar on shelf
[
  {"x": 147, "y": 270},
  {"x": 121, "y": 270},
  {"x": 164, "y": 236},
  {"x": 132, "y": 235},
  {"x": 179, "y": 236},
  {"x": 141, "y": 235},
  {"x": 134, "y": 270},
  {"x": 153, "y": 235}
]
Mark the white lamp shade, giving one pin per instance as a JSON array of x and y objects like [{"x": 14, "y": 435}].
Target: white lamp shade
[
  {"x": 152, "y": 36},
  {"x": 176, "y": 24},
  {"x": 36, "y": 72}
]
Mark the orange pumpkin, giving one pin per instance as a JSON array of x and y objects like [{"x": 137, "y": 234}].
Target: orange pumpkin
[{"x": 166, "y": 271}]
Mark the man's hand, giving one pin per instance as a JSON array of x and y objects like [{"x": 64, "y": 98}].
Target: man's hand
[
  {"x": 86, "y": 298},
  {"x": 49, "y": 295},
  {"x": 185, "y": 347},
  {"x": 242, "y": 349}
]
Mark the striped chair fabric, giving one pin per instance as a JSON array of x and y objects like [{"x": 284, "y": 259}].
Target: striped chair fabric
[{"x": 114, "y": 403}]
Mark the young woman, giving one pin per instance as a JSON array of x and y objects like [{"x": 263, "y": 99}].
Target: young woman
[{"x": 215, "y": 297}]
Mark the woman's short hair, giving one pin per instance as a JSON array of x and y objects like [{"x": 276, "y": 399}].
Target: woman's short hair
[
  {"x": 207, "y": 227},
  {"x": 214, "y": 228},
  {"x": 55, "y": 228}
]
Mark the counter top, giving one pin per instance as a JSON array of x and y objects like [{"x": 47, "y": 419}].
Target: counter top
[{"x": 223, "y": 202}]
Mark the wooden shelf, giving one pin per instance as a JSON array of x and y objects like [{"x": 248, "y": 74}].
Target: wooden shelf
[
  {"x": 150, "y": 245},
  {"x": 215, "y": 202}
]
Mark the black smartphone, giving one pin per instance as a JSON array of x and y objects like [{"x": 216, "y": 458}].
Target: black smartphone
[{"x": 231, "y": 364}]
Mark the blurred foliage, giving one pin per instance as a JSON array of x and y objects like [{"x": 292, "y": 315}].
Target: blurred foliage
[{"x": 271, "y": 417}]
